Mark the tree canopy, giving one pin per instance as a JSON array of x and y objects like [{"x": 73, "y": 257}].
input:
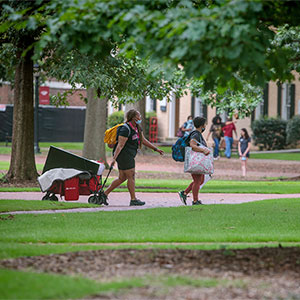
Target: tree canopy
[
  {"x": 227, "y": 47},
  {"x": 212, "y": 40}
]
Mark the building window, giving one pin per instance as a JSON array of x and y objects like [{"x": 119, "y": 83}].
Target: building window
[
  {"x": 262, "y": 108},
  {"x": 163, "y": 104},
  {"x": 279, "y": 97},
  {"x": 199, "y": 109},
  {"x": 288, "y": 101},
  {"x": 259, "y": 110},
  {"x": 150, "y": 104}
]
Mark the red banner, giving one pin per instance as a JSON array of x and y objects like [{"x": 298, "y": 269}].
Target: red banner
[{"x": 44, "y": 95}]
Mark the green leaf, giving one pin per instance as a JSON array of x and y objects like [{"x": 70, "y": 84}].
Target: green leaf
[{"x": 31, "y": 24}]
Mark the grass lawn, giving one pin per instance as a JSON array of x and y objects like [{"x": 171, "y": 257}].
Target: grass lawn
[
  {"x": 45, "y": 147},
  {"x": 29, "y": 285},
  {"x": 4, "y": 165},
  {"x": 167, "y": 149},
  {"x": 23, "y": 205},
  {"x": 278, "y": 156},
  {"x": 213, "y": 186},
  {"x": 255, "y": 224},
  {"x": 219, "y": 186},
  {"x": 262, "y": 221}
]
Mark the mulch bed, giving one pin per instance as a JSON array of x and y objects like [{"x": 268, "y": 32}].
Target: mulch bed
[
  {"x": 264, "y": 273},
  {"x": 260, "y": 261}
]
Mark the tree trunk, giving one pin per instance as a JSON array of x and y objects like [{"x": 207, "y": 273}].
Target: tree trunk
[
  {"x": 95, "y": 126},
  {"x": 22, "y": 163}
]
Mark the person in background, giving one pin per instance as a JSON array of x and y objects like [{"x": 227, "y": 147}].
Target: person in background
[
  {"x": 217, "y": 133},
  {"x": 195, "y": 139},
  {"x": 228, "y": 129},
  {"x": 130, "y": 137},
  {"x": 244, "y": 149},
  {"x": 188, "y": 126}
]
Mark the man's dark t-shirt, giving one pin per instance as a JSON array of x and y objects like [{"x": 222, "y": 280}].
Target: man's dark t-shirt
[
  {"x": 126, "y": 157},
  {"x": 132, "y": 143}
]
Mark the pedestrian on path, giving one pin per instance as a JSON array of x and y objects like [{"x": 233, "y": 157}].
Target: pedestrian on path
[
  {"x": 129, "y": 139},
  {"x": 195, "y": 139},
  {"x": 244, "y": 149},
  {"x": 186, "y": 128},
  {"x": 217, "y": 134},
  {"x": 228, "y": 136}
]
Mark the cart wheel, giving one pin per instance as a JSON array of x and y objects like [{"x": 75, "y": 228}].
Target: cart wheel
[
  {"x": 46, "y": 197},
  {"x": 53, "y": 198},
  {"x": 93, "y": 199}
]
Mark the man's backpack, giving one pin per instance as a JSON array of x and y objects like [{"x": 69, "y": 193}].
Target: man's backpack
[
  {"x": 110, "y": 136},
  {"x": 178, "y": 149}
]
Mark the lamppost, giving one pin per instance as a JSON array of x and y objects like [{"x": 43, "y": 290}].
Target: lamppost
[{"x": 36, "y": 109}]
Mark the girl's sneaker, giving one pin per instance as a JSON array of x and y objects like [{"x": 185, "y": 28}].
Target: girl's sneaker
[
  {"x": 183, "y": 197},
  {"x": 197, "y": 202}
]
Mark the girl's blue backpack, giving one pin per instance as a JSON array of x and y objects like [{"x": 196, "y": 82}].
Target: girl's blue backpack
[{"x": 178, "y": 149}]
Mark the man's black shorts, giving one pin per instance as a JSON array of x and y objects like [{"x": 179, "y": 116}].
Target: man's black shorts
[{"x": 125, "y": 162}]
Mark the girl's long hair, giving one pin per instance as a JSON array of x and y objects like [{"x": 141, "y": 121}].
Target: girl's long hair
[
  {"x": 246, "y": 133},
  {"x": 131, "y": 114}
]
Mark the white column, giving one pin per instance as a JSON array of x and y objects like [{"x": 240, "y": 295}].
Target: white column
[
  {"x": 110, "y": 108},
  {"x": 258, "y": 111},
  {"x": 198, "y": 107},
  {"x": 148, "y": 104},
  {"x": 172, "y": 112}
]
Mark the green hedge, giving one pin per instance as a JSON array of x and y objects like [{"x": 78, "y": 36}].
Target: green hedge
[
  {"x": 269, "y": 133},
  {"x": 293, "y": 130},
  {"x": 115, "y": 118}
]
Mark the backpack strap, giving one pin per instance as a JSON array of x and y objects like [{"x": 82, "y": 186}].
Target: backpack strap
[{"x": 128, "y": 127}]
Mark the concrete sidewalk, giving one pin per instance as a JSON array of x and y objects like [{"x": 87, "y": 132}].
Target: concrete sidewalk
[{"x": 119, "y": 201}]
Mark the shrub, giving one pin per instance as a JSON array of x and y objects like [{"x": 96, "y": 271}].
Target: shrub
[
  {"x": 293, "y": 130},
  {"x": 115, "y": 118},
  {"x": 269, "y": 133}
]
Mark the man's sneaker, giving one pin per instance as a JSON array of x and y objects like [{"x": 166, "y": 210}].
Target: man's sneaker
[
  {"x": 183, "y": 197},
  {"x": 197, "y": 202},
  {"x": 137, "y": 202},
  {"x": 102, "y": 198}
]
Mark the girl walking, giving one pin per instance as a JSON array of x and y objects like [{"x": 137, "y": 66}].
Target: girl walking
[
  {"x": 196, "y": 138},
  {"x": 244, "y": 149}
]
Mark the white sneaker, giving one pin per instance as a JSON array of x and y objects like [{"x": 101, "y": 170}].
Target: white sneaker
[{"x": 216, "y": 158}]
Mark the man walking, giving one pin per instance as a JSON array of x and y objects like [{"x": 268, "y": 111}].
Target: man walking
[{"x": 228, "y": 129}]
